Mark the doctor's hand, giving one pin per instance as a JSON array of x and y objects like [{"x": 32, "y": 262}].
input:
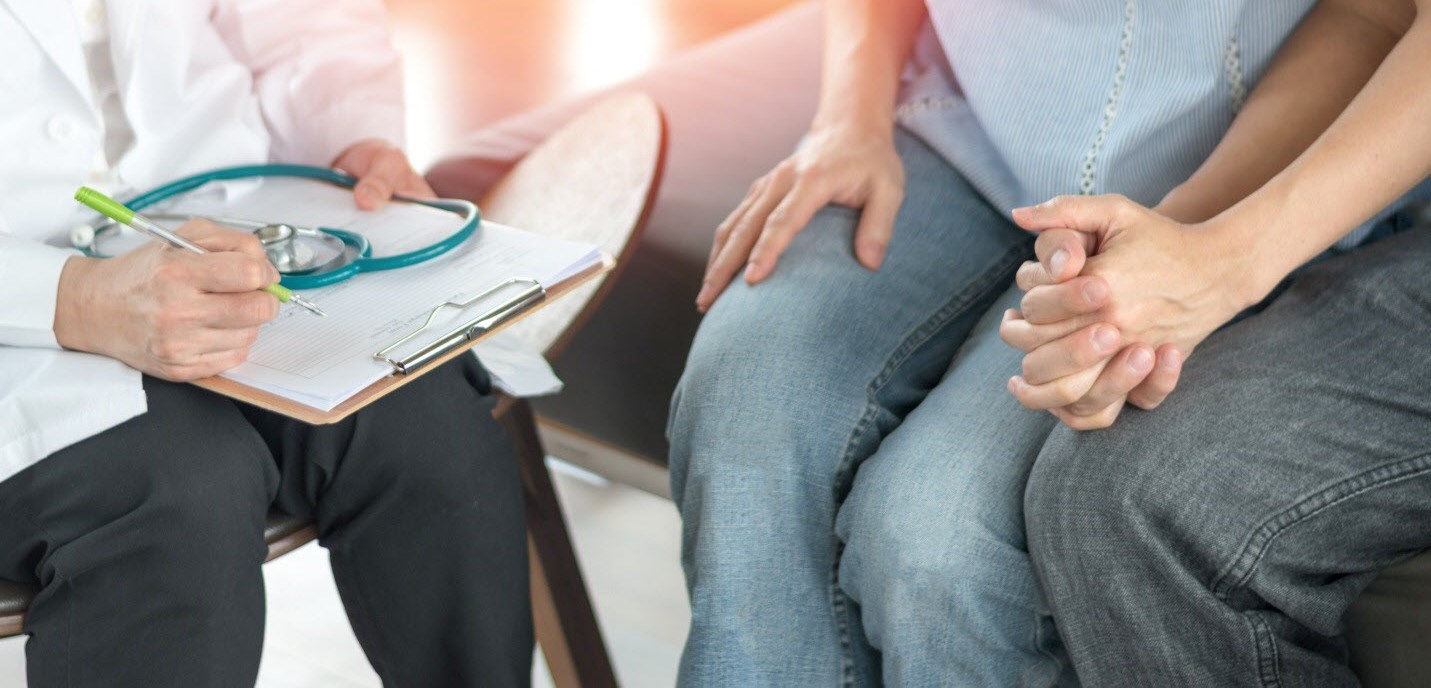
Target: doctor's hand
[
  {"x": 382, "y": 170},
  {"x": 167, "y": 312},
  {"x": 844, "y": 165}
]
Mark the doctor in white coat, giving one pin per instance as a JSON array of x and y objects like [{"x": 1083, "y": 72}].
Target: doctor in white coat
[{"x": 137, "y": 503}]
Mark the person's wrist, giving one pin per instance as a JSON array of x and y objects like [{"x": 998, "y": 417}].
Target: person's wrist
[
  {"x": 73, "y": 298},
  {"x": 854, "y": 111},
  {"x": 1247, "y": 274},
  {"x": 1181, "y": 204}
]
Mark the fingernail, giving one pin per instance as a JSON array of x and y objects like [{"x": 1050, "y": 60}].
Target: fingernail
[
  {"x": 1094, "y": 291},
  {"x": 1057, "y": 261},
  {"x": 752, "y": 272},
  {"x": 1106, "y": 337},
  {"x": 874, "y": 256},
  {"x": 1016, "y": 211},
  {"x": 1172, "y": 359},
  {"x": 1141, "y": 361}
]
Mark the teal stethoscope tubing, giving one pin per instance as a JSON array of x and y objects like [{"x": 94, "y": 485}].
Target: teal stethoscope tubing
[{"x": 365, "y": 262}]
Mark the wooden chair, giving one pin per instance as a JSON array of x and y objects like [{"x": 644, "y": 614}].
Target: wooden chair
[{"x": 594, "y": 180}]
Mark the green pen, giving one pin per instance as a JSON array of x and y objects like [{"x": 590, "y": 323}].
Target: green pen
[{"x": 120, "y": 213}]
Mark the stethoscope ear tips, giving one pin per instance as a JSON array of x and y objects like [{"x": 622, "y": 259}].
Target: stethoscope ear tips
[{"x": 82, "y": 237}]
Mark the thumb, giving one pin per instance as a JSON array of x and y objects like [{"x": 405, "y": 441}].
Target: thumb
[
  {"x": 1091, "y": 214},
  {"x": 1062, "y": 252}
]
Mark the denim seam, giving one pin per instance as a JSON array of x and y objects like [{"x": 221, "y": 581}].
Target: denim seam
[
  {"x": 978, "y": 288},
  {"x": 1267, "y": 655},
  {"x": 981, "y": 287},
  {"x": 1244, "y": 565}
]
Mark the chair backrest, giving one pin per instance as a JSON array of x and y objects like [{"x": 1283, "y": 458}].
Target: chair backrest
[{"x": 585, "y": 183}]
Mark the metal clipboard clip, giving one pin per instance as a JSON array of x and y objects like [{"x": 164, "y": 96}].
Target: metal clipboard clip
[{"x": 534, "y": 293}]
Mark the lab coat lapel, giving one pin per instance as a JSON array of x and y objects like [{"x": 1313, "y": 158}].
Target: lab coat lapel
[{"x": 51, "y": 23}]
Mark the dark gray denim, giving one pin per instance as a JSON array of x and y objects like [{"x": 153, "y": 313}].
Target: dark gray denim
[{"x": 1218, "y": 540}]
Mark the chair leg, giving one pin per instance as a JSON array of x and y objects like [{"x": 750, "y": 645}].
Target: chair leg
[{"x": 562, "y": 612}]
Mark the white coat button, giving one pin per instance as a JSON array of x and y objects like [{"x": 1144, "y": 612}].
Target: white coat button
[{"x": 60, "y": 128}]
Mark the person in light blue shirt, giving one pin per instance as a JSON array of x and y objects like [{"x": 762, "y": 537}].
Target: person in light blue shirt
[{"x": 852, "y": 445}]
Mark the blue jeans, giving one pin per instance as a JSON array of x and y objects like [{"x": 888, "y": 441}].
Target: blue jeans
[{"x": 850, "y": 468}]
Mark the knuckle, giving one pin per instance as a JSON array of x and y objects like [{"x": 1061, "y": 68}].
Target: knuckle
[
  {"x": 1008, "y": 333},
  {"x": 1095, "y": 423},
  {"x": 778, "y": 220},
  {"x": 251, "y": 275},
  {"x": 1085, "y": 352},
  {"x": 1023, "y": 396},
  {"x": 164, "y": 350},
  {"x": 164, "y": 319},
  {"x": 195, "y": 227},
  {"x": 258, "y": 308},
  {"x": 249, "y": 243},
  {"x": 171, "y": 270},
  {"x": 1065, "y": 391},
  {"x": 1116, "y": 316},
  {"x": 1017, "y": 334}
]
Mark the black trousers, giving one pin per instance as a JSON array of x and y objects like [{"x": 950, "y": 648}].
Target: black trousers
[{"x": 148, "y": 542}]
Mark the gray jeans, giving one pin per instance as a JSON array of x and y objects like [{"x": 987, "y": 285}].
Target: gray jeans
[{"x": 1218, "y": 540}]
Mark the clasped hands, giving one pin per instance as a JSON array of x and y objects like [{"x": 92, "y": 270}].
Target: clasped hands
[{"x": 1117, "y": 299}]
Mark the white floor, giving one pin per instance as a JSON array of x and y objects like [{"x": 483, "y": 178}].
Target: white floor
[{"x": 628, "y": 542}]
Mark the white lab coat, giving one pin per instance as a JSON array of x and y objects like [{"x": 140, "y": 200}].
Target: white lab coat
[{"x": 204, "y": 84}]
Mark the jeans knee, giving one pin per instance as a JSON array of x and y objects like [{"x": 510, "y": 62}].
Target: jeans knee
[
  {"x": 745, "y": 413},
  {"x": 1071, "y": 499},
  {"x": 1113, "y": 497},
  {"x": 909, "y": 561}
]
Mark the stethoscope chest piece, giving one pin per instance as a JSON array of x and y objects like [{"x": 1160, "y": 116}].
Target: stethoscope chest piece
[{"x": 297, "y": 251}]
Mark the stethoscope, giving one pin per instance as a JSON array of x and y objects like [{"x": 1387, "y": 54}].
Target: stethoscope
[{"x": 306, "y": 257}]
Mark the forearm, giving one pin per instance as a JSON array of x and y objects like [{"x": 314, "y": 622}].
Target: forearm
[
  {"x": 867, "y": 43},
  {"x": 1375, "y": 151},
  {"x": 1337, "y": 47}
]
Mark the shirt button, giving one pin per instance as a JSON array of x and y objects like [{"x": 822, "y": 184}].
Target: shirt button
[
  {"x": 60, "y": 128},
  {"x": 94, "y": 16}
]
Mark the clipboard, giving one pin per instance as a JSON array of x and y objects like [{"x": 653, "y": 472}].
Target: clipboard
[{"x": 433, "y": 348}]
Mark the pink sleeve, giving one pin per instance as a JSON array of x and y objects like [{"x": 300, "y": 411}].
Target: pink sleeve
[{"x": 325, "y": 72}]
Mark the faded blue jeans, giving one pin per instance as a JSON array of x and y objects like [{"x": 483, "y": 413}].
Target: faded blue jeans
[{"x": 850, "y": 468}]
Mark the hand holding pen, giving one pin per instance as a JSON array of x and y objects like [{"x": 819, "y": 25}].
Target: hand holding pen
[
  {"x": 118, "y": 212},
  {"x": 175, "y": 315}
]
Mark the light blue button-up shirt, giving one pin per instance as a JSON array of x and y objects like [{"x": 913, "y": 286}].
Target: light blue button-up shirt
[{"x": 1031, "y": 99}]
